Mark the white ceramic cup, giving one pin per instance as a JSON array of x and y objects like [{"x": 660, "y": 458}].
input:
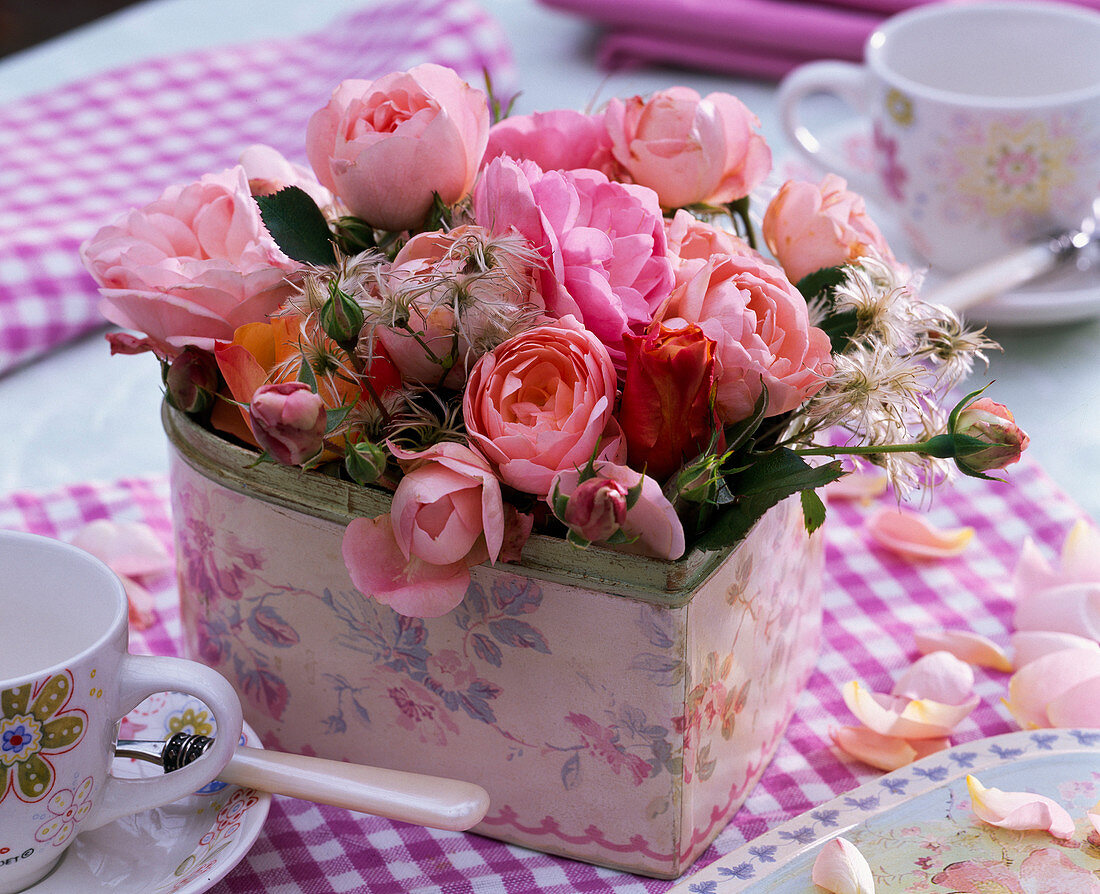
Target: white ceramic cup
[
  {"x": 985, "y": 122},
  {"x": 66, "y": 680}
]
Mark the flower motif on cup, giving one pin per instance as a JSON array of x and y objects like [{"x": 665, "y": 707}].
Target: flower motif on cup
[
  {"x": 197, "y": 723},
  {"x": 66, "y": 809},
  {"x": 1010, "y": 166},
  {"x": 899, "y": 107},
  {"x": 35, "y": 724}
]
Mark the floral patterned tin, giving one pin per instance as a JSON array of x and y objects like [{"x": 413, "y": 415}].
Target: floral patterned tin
[{"x": 618, "y": 709}]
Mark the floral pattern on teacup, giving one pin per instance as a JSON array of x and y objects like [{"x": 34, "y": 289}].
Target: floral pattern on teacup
[
  {"x": 36, "y": 723},
  {"x": 66, "y": 809},
  {"x": 191, "y": 720}
]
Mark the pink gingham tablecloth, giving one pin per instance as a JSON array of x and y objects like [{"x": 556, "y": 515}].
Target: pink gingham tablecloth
[
  {"x": 75, "y": 158},
  {"x": 873, "y": 603}
]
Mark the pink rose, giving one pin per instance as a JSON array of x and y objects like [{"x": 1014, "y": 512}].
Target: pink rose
[
  {"x": 562, "y": 139},
  {"x": 542, "y": 402},
  {"x": 464, "y": 288},
  {"x": 289, "y": 421},
  {"x": 688, "y": 149},
  {"x": 651, "y": 522},
  {"x": 268, "y": 172},
  {"x": 190, "y": 267},
  {"x": 596, "y": 509},
  {"x": 603, "y": 243},
  {"x": 690, "y": 239},
  {"x": 447, "y": 515},
  {"x": 811, "y": 226},
  {"x": 761, "y": 326},
  {"x": 385, "y": 146}
]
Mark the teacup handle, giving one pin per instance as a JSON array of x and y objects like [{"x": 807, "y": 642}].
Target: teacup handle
[
  {"x": 141, "y": 676},
  {"x": 848, "y": 82}
]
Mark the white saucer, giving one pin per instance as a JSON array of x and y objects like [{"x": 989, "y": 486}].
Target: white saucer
[{"x": 183, "y": 848}]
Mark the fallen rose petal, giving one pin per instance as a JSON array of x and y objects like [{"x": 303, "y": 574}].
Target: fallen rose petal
[
  {"x": 840, "y": 868},
  {"x": 1094, "y": 817},
  {"x": 973, "y": 648},
  {"x": 1081, "y": 553},
  {"x": 862, "y": 486},
  {"x": 906, "y": 718},
  {"x": 1078, "y": 707},
  {"x": 1041, "y": 681},
  {"x": 1069, "y": 608},
  {"x": 140, "y": 610},
  {"x": 938, "y": 676},
  {"x": 132, "y": 549},
  {"x": 884, "y": 752},
  {"x": 1021, "y": 811},
  {"x": 1029, "y": 645},
  {"x": 911, "y": 535}
]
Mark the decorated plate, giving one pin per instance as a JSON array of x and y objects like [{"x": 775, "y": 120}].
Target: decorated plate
[
  {"x": 917, "y": 831},
  {"x": 182, "y": 848}
]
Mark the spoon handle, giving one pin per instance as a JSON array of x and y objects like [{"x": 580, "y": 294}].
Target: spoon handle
[
  {"x": 995, "y": 277},
  {"x": 410, "y": 797}
]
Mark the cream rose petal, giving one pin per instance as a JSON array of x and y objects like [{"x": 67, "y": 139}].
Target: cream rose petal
[
  {"x": 903, "y": 717},
  {"x": 965, "y": 645},
  {"x": 841, "y": 869},
  {"x": 884, "y": 752},
  {"x": 1069, "y": 608},
  {"x": 1021, "y": 811},
  {"x": 1045, "y": 679},
  {"x": 938, "y": 676},
  {"x": 911, "y": 535},
  {"x": 132, "y": 549},
  {"x": 1029, "y": 645}
]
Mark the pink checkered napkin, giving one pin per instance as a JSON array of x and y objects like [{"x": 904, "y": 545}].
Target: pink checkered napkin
[
  {"x": 73, "y": 159},
  {"x": 873, "y": 600}
]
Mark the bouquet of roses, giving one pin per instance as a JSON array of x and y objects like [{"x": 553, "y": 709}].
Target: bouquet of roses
[{"x": 558, "y": 322}]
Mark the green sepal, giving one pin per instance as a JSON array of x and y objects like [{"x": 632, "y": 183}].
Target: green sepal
[
  {"x": 306, "y": 375},
  {"x": 335, "y": 417},
  {"x": 298, "y": 226}
]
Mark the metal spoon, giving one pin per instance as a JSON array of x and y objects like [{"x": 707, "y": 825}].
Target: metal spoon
[
  {"x": 1021, "y": 266},
  {"x": 431, "y": 801}
]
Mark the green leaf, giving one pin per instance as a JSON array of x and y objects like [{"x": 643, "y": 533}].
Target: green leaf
[
  {"x": 297, "y": 226},
  {"x": 336, "y": 417},
  {"x": 813, "y": 510},
  {"x": 739, "y": 433},
  {"x": 822, "y": 282},
  {"x": 840, "y": 327},
  {"x": 760, "y": 486}
]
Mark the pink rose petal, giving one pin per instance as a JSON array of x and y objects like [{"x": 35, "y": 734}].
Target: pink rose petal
[
  {"x": 1078, "y": 707},
  {"x": 1038, "y": 683},
  {"x": 937, "y": 676},
  {"x": 1068, "y": 608},
  {"x": 1081, "y": 553},
  {"x": 141, "y": 614},
  {"x": 1030, "y": 645},
  {"x": 841, "y": 869},
  {"x": 965, "y": 645},
  {"x": 912, "y": 536},
  {"x": 1094, "y": 817},
  {"x": 884, "y": 752},
  {"x": 903, "y": 717},
  {"x": 132, "y": 549},
  {"x": 862, "y": 486},
  {"x": 1022, "y": 811}
]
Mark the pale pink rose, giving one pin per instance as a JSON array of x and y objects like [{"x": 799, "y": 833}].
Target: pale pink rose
[
  {"x": 434, "y": 268},
  {"x": 288, "y": 420},
  {"x": 190, "y": 267},
  {"x": 448, "y": 507},
  {"x": 761, "y": 326},
  {"x": 651, "y": 523},
  {"x": 810, "y": 226},
  {"x": 385, "y": 146},
  {"x": 268, "y": 171},
  {"x": 691, "y": 239},
  {"x": 542, "y": 402},
  {"x": 603, "y": 243},
  {"x": 447, "y": 514},
  {"x": 562, "y": 139},
  {"x": 689, "y": 149}
]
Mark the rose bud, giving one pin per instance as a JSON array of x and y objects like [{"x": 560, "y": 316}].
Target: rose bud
[
  {"x": 192, "y": 380},
  {"x": 365, "y": 462},
  {"x": 596, "y": 509},
  {"x": 288, "y": 421},
  {"x": 341, "y": 318},
  {"x": 668, "y": 404},
  {"x": 986, "y": 437}
]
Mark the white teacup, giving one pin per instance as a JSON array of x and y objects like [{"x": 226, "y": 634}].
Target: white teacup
[
  {"x": 985, "y": 122},
  {"x": 66, "y": 680}
]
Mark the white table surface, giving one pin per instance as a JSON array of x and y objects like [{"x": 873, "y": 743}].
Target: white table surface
[{"x": 80, "y": 414}]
